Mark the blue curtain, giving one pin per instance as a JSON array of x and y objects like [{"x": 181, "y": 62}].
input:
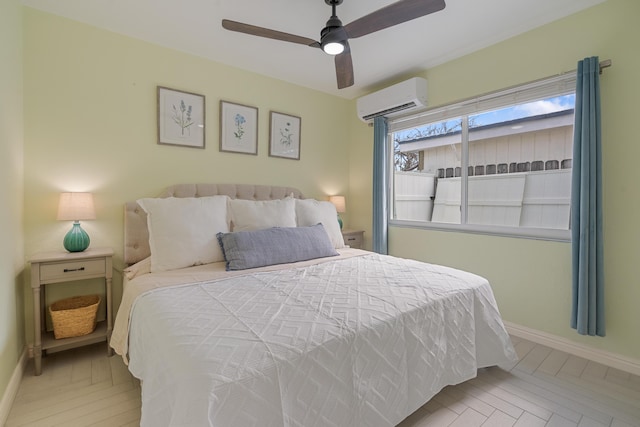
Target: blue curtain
[
  {"x": 380, "y": 180},
  {"x": 587, "y": 315}
]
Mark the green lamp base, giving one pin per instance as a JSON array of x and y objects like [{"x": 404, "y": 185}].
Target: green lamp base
[
  {"x": 76, "y": 240},
  {"x": 340, "y": 222}
]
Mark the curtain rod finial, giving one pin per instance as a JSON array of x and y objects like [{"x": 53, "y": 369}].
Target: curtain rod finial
[{"x": 604, "y": 64}]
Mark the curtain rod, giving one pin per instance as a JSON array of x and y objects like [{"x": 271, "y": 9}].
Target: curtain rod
[{"x": 602, "y": 65}]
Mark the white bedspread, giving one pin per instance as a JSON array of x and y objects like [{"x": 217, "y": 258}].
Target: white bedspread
[{"x": 362, "y": 341}]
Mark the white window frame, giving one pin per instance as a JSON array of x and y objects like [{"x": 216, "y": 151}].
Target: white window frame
[{"x": 562, "y": 84}]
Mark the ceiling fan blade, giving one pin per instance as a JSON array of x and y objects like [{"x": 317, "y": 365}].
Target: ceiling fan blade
[
  {"x": 265, "y": 32},
  {"x": 344, "y": 68},
  {"x": 394, "y": 14}
]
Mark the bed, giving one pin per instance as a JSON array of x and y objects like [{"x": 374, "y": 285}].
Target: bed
[{"x": 280, "y": 334}]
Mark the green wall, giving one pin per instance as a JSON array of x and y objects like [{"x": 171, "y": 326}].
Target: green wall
[
  {"x": 532, "y": 279},
  {"x": 12, "y": 339},
  {"x": 90, "y": 125}
]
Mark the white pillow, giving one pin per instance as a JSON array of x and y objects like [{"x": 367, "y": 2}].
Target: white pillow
[
  {"x": 311, "y": 212},
  {"x": 182, "y": 231},
  {"x": 248, "y": 215}
]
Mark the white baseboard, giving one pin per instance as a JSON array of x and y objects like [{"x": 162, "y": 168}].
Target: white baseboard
[
  {"x": 12, "y": 388},
  {"x": 612, "y": 360}
]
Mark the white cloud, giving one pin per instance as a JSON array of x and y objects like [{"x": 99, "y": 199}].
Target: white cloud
[{"x": 543, "y": 107}]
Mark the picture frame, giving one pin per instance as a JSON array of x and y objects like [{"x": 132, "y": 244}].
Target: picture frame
[
  {"x": 238, "y": 128},
  {"x": 181, "y": 118},
  {"x": 284, "y": 135}
]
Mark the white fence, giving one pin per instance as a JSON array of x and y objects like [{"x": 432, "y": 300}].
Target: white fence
[
  {"x": 414, "y": 194},
  {"x": 528, "y": 199}
]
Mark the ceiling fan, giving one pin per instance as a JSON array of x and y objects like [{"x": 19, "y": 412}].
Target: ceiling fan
[{"x": 334, "y": 38}]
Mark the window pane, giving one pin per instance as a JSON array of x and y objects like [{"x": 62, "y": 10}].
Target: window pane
[
  {"x": 424, "y": 156},
  {"x": 519, "y": 164}
]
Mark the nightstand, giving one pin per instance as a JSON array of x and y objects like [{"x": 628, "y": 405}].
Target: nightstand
[
  {"x": 49, "y": 268},
  {"x": 353, "y": 238}
]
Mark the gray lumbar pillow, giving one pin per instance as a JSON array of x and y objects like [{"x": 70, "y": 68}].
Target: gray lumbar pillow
[{"x": 278, "y": 245}]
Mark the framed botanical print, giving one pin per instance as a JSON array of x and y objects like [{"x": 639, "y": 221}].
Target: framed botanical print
[
  {"x": 181, "y": 118},
  {"x": 238, "y": 128},
  {"x": 284, "y": 135}
]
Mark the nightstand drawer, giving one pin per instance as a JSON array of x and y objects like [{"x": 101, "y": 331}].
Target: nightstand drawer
[
  {"x": 353, "y": 238},
  {"x": 72, "y": 270}
]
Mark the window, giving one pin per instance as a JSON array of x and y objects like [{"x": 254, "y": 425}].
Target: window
[{"x": 498, "y": 164}]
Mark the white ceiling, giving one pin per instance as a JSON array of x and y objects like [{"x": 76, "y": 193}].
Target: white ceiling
[{"x": 193, "y": 26}]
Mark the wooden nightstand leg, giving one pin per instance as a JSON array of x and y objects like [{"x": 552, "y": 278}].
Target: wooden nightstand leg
[
  {"x": 108, "y": 276},
  {"x": 37, "y": 359},
  {"x": 109, "y": 316},
  {"x": 37, "y": 346}
]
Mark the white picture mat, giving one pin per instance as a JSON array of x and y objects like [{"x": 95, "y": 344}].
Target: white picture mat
[
  {"x": 284, "y": 138},
  {"x": 238, "y": 128},
  {"x": 181, "y": 118}
]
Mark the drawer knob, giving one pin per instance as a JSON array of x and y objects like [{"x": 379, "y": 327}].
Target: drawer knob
[{"x": 69, "y": 270}]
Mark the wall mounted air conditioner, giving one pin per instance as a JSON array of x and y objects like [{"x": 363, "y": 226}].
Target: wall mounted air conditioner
[{"x": 393, "y": 100}]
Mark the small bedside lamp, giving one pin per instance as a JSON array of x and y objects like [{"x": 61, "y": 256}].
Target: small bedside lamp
[
  {"x": 75, "y": 207},
  {"x": 341, "y": 206}
]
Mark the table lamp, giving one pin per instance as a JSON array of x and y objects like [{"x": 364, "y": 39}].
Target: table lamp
[
  {"x": 341, "y": 206},
  {"x": 75, "y": 207}
]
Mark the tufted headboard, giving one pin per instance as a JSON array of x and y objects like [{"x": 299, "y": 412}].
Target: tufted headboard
[{"x": 136, "y": 233}]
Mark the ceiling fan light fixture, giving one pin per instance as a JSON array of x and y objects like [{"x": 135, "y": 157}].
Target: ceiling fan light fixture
[
  {"x": 333, "y": 37},
  {"x": 333, "y": 48}
]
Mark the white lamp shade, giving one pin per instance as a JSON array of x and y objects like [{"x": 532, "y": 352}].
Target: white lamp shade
[
  {"x": 339, "y": 202},
  {"x": 76, "y": 207}
]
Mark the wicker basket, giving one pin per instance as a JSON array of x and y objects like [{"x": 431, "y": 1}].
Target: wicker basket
[{"x": 74, "y": 317}]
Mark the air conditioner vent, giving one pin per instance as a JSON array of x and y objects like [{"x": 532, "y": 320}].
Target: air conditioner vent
[
  {"x": 402, "y": 97},
  {"x": 390, "y": 110}
]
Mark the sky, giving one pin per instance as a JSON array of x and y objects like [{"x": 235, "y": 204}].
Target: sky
[{"x": 534, "y": 108}]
